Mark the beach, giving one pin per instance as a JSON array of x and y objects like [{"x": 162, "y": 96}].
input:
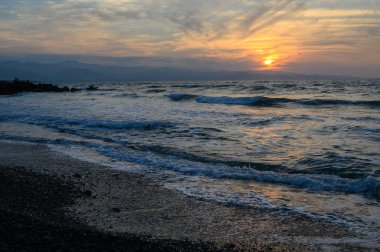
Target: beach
[
  {"x": 50, "y": 201},
  {"x": 189, "y": 125}
]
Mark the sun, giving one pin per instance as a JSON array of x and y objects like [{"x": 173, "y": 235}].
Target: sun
[{"x": 268, "y": 62}]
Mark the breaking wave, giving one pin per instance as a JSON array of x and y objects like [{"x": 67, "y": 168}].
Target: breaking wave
[
  {"x": 314, "y": 182},
  {"x": 269, "y": 101}
]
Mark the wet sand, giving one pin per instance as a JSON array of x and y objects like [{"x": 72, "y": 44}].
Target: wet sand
[{"x": 53, "y": 202}]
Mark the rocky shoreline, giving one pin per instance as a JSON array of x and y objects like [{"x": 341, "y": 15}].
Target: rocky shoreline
[
  {"x": 18, "y": 86},
  {"x": 52, "y": 202}
]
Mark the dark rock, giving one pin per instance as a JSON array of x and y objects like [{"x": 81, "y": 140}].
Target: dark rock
[
  {"x": 116, "y": 210},
  {"x": 73, "y": 89},
  {"x": 87, "y": 193},
  {"x": 77, "y": 175},
  {"x": 92, "y": 88},
  {"x": 18, "y": 86}
]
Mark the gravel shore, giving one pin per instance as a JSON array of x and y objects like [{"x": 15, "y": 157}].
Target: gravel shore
[{"x": 49, "y": 202}]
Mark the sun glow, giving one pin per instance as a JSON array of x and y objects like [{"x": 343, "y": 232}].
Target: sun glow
[{"x": 268, "y": 61}]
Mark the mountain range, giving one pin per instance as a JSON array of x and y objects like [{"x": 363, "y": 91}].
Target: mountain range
[{"x": 77, "y": 71}]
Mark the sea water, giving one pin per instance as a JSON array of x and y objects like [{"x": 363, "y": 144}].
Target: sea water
[{"x": 303, "y": 147}]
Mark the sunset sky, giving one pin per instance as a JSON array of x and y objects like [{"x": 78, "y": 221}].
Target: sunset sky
[{"x": 305, "y": 36}]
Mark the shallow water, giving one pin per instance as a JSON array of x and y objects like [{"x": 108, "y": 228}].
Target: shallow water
[{"x": 311, "y": 147}]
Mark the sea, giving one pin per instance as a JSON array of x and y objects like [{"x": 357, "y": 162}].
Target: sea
[{"x": 294, "y": 147}]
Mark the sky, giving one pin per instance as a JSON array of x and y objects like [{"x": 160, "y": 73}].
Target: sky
[{"x": 339, "y": 37}]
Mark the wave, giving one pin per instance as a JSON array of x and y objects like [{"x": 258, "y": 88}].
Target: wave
[
  {"x": 268, "y": 101},
  {"x": 321, "y": 102},
  {"x": 127, "y": 94},
  {"x": 187, "y": 85},
  {"x": 182, "y": 97},
  {"x": 369, "y": 185},
  {"x": 87, "y": 123},
  {"x": 189, "y": 164},
  {"x": 271, "y": 173},
  {"x": 252, "y": 101},
  {"x": 155, "y": 91},
  {"x": 259, "y": 88},
  {"x": 143, "y": 125}
]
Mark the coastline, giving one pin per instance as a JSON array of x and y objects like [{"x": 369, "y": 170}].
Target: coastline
[{"x": 100, "y": 206}]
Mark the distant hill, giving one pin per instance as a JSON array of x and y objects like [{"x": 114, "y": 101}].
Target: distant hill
[{"x": 76, "y": 71}]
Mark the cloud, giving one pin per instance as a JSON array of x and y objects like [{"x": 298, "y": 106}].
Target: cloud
[
  {"x": 143, "y": 27},
  {"x": 230, "y": 30},
  {"x": 207, "y": 19}
]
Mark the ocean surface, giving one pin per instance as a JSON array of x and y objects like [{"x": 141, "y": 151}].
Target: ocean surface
[{"x": 306, "y": 147}]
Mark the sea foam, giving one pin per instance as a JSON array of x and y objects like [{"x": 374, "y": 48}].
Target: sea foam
[{"x": 270, "y": 101}]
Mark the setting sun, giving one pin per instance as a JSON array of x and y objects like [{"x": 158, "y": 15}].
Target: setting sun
[{"x": 268, "y": 62}]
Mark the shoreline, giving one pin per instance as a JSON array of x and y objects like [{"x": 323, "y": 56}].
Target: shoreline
[{"x": 131, "y": 209}]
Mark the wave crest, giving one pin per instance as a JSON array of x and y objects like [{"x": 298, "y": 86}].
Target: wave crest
[
  {"x": 269, "y": 101},
  {"x": 369, "y": 185}
]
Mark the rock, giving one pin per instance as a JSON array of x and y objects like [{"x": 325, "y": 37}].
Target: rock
[
  {"x": 18, "y": 86},
  {"x": 92, "y": 88},
  {"x": 74, "y": 89},
  {"x": 87, "y": 193},
  {"x": 76, "y": 175},
  {"x": 115, "y": 210}
]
